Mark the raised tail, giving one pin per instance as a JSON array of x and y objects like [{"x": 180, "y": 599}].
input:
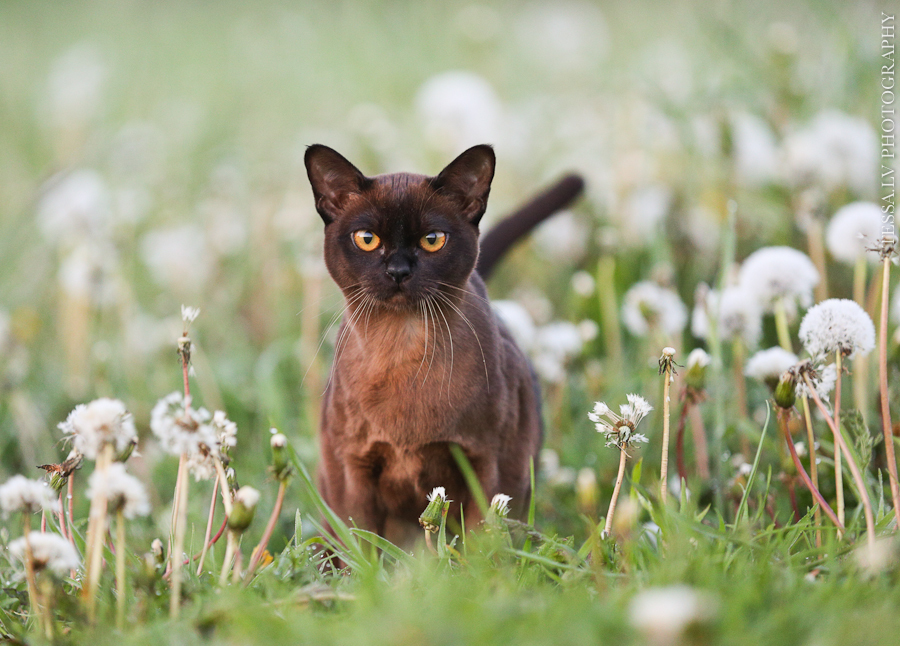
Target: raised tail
[{"x": 508, "y": 231}]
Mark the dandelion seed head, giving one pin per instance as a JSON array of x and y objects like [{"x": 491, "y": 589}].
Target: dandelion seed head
[
  {"x": 663, "y": 614},
  {"x": 50, "y": 552},
  {"x": 122, "y": 491},
  {"x": 739, "y": 315},
  {"x": 247, "y": 496},
  {"x": 770, "y": 364},
  {"x": 771, "y": 274},
  {"x": 823, "y": 382},
  {"x": 29, "y": 496},
  {"x": 852, "y": 229},
  {"x": 837, "y": 324},
  {"x": 189, "y": 314},
  {"x": 583, "y": 283},
  {"x": 698, "y": 358},
  {"x": 458, "y": 109},
  {"x": 437, "y": 493},
  {"x": 647, "y": 306},
  {"x": 100, "y": 422}
]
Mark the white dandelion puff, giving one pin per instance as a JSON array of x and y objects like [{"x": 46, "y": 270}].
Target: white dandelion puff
[
  {"x": 49, "y": 552},
  {"x": 29, "y": 496},
  {"x": 122, "y": 491},
  {"x": 247, "y": 496},
  {"x": 698, "y": 358},
  {"x": 737, "y": 312},
  {"x": 837, "y": 324},
  {"x": 853, "y": 229},
  {"x": 773, "y": 274},
  {"x": 823, "y": 382},
  {"x": 770, "y": 364},
  {"x": 647, "y": 306},
  {"x": 619, "y": 428},
  {"x": 663, "y": 614},
  {"x": 103, "y": 421}
]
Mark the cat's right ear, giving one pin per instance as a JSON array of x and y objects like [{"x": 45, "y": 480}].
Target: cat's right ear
[{"x": 333, "y": 180}]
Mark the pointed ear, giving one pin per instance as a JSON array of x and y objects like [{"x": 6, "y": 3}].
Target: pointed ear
[
  {"x": 467, "y": 179},
  {"x": 333, "y": 179}
]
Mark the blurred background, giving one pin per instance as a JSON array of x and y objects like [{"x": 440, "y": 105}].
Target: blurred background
[{"x": 151, "y": 156}]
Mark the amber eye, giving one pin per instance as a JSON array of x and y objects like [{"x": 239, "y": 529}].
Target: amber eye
[
  {"x": 366, "y": 240},
  {"x": 433, "y": 241}
]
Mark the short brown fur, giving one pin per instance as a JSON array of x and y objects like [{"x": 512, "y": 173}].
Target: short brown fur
[{"x": 421, "y": 361}]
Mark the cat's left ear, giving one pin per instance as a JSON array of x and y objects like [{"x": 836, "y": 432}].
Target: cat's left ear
[
  {"x": 333, "y": 180},
  {"x": 467, "y": 180}
]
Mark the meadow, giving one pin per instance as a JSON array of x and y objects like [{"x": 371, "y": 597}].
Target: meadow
[{"x": 161, "y": 270}]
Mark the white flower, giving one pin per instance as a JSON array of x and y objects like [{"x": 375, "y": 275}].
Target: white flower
[
  {"x": 50, "y": 552},
  {"x": 121, "y": 490},
  {"x": 457, "y": 110},
  {"x": 22, "y": 494},
  {"x": 663, "y": 614},
  {"x": 640, "y": 217},
  {"x": 770, "y": 364},
  {"x": 583, "y": 283},
  {"x": 648, "y": 306},
  {"x": 739, "y": 315},
  {"x": 247, "y": 496},
  {"x": 563, "y": 238},
  {"x": 437, "y": 493},
  {"x": 619, "y": 429},
  {"x": 835, "y": 150},
  {"x": 178, "y": 257},
  {"x": 697, "y": 358},
  {"x": 500, "y": 504},
  {"x": 102, "y": 421},
  {"x": 754, "y": 148},
  {"x": 518, "y": 321},
  {"x": 837, "y": 324},
  {"x": 74, "y": 207},
  {"x": 189, "y": 314},
  {"x": 853, "y": 228},
  {"x": 823, "y": 382},
  {"x": 203, "y": 437},
  {"x": 771, "y": 274}
]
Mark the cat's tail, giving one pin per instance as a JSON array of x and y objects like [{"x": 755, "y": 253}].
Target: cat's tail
[{"x": 508, "y": 231}]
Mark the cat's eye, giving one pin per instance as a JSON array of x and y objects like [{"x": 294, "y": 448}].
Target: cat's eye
[
  {"x": 366, "y": 240},
  {"x": 433, "y": 241}
]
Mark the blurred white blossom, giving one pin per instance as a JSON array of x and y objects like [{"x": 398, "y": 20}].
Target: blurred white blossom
[
  {"x": 178, "y": 257},
  {"x": 755, "y": 150},
  {"x": 648, "y": 306},
  {"x": 103, "y": 421},
  {"x": 49, "y": 552},
  {"x": 75, "y": 86},
  {"x": 74, "y": 207},
  {"x": 663, "y": 614},
  {"x": 29, "y": 496},
  {"x": 739, "y": 315},
  {"x": 122, "y": 491},
  {"x": 833, "y": 151},
  {"x": 771, "y": 274},
  {"x": 854, "y": 228},
  {"x": 458, "y": 109},
  {"x": 770, "y": 364}
]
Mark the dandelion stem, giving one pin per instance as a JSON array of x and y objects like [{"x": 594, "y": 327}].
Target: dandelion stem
[
  {"x": 813, "y": 466},
  {"x": 120, "y": 569},
  {"x": 175, "y": 556},
  {"x": 781, "y": 326},
  {"x": 854, "y": 470},
  {"x": 664, "y": 467},
  {"x": 838, "y": 465},
  {"x": 70, "y": 497},
  {"x": 95, "y": 534},
  {"x": 783, "y": 416},
  {"x": 209, "y": 524},
  {"x": 615, "y": 494},
  {"x": 36, "y": 610},
  {"x": 606, "y": 292},
  {"x": 267, "y": 534},
  {"x": 701, "y": 451},
  {"x": 223, "y": 486},
  {"x": 229, "y": 555},
  {"x": 886, "y": 425},
  {"x": 679, "y": 438}
]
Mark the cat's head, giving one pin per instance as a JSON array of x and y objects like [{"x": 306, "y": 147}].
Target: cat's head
[{"x": 399, "y": 238}]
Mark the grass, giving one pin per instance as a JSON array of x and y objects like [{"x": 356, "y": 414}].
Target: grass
[{"x": 200, "y": 116}]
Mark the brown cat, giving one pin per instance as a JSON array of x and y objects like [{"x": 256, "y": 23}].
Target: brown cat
[{"x": 421, "y": 361}]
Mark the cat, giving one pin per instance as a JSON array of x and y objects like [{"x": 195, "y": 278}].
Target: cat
[{"x": 421, "y": 362}]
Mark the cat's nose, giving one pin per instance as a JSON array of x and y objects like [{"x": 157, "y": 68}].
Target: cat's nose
[{"x": 399, "y": 269}]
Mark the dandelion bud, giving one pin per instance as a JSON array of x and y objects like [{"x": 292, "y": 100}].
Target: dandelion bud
[
  {"x": 245, "y": 501},
  {"x": 438, "y": 504},
  {"x": 695, "y": 376},
  {"x": 157, "y": 551},
  {"x": 280, "y": 465},
  {"x": 786, "y": 390}
]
